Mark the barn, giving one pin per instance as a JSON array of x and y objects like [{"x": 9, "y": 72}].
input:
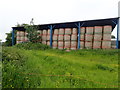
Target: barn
[{"x": 88, "y": 34}]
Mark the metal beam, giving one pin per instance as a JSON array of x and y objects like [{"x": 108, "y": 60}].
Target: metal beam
[
  {"x": 51, "y": 27},
  {"x": 12, "y": 37},
  {"x": 118, "y": 28}
]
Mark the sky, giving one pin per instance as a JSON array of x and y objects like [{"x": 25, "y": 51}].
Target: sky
[{"x": 53, "y": 11}]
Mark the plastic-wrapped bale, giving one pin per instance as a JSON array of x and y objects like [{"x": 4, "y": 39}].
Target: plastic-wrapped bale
[
  {"x": 98, "y": 29},
  {"x": 73, "y": 45},
  {"x": 55, "y": 44},
  {"x": 44, "y": 32},
  {"x": 106, "y": 44},
  {"x": 68, "y": 31},
  {"x": 74, "y": 31},
  {"x": 82, "y": 37},
  {"x": 48, "y": 43},
  {"x": 107, "y": 29},
  {"x": 61, "y": 37},
  {"x": 97, "y": 37},
  {"x": 55, "y": 37},
  {"x": 44, "y": 42},
  {"x": 66, "y": 37},
  {"x": 60, "y": 45},
  {"x": 88, "y": 45},
  {"x": 88, "y": 37},
  {"x": 48, "y": 31},
  {"x": 22, "y": 39},
  {"x": 44, "y": 37},
  {"x": 113, "y": 44},
  {"x": 82, "y": 44},
  {"x": 96, "y": 44},
  {"x": 107, "y": 37},
  {"x": 89, "y": 30},
  {"x": 56, "y": 31},
  {"x": 67, "y": 44},
  {"x": 18, "y": 38},
  {"x": 48, "y": 37},
  {"x": 18, "y": 33},
  {"x": 61, "y": 31},
  {"x": 73, "y": 37},
  {"x": 22, "y": 33},
  {"x": 82, "y": 30}
]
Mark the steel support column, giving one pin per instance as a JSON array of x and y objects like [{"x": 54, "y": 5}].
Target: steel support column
[
  {"x": 117, "y": 41},
  {"x": 51, "y": 35},
  {"x": 12, "y": 37}
]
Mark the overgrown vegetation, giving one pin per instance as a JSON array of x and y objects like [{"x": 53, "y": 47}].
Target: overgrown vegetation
[
  {"x": 48, "y": 68},
  {"x": 32, "y": 46},
  {"x": 8, "y": 41}
]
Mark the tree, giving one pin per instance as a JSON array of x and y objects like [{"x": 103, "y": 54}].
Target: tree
[
  {"x": 33, "y": 34},
  {"x": 8, "y": 41}
]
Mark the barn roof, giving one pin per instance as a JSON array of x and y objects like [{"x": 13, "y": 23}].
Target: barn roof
[{"x": 86, "y": 23}]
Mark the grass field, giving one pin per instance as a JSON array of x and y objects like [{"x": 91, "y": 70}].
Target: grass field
[{"x": 59, "y": 69}]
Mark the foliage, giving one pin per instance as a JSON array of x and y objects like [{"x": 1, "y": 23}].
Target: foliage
[
  {"x": 8, "y": 41},
  {"x": 32, "y": 46},
  {"x": 33, "y": 34}
]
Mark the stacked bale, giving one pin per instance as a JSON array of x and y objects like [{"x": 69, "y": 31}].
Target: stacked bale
[
  {"x": 74, "y": 39},
  {"x": 20, "y": 37},
  {"x": 61, "y": 39},
  {"x": 89, "y": 38},
  {"x": 97, "y": 37},
  {"x": 82, "y": 38},
  {"x": 48, "y": 37},
  {"x": 55, "y": 38},
  {"x": 67, "y": 38},
  {"x": 44, "y": 37},
  {"x": 106, "y": 43}
]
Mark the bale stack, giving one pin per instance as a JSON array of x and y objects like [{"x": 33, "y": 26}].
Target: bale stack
[
  {"x": 61, "y": 38},
  {"x": 20, "y": 37},
  {"x": 106, "y": 43},
  {"x": 48, "y": 37},
  {"x": 97, "y": 37},
  {"x": 74, "y": 39},
  {"x": 67, "y": 38},
  {"x": 89, "y": 38},
  {"x": 44, "y": 37},
  {"x": 82, "y": 38},
  {"x": 55, "y": 38}
]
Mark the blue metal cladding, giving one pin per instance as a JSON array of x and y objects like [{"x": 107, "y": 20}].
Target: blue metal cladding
[
  {"x": 12, "y": 37},
  {"x": 51, "y": 28},
  {"x": 117, "y": 41}
]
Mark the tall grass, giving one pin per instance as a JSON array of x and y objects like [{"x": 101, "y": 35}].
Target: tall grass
[{"x": 61, "y": 69}]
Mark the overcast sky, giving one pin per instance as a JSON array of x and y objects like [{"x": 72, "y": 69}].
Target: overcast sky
[{"x": 53, "y": 11}]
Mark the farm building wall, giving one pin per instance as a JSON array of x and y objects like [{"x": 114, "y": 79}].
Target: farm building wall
[{"x": 97, "y": 37}]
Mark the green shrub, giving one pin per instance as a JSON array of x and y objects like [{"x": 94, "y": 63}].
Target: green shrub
[{"x": 32, "y": 46}]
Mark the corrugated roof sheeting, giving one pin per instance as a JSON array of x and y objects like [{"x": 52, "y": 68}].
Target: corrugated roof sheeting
[{"x": 86, "y": 23}]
